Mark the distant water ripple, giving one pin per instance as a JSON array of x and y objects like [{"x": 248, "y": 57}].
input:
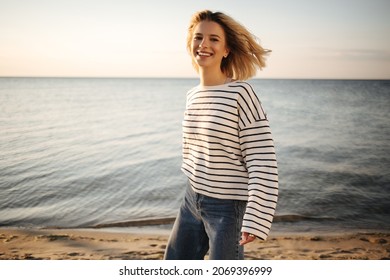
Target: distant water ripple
[{"x": 107, "y": 152}]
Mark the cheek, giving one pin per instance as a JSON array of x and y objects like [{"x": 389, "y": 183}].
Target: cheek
[
  {"x": 219, "y": 48},
  {"x": 194, "y": 46}
]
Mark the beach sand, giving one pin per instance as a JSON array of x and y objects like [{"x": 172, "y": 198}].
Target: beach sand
[{"x": 70, "y": 244}]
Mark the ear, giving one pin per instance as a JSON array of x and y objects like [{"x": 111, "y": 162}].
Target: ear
[{"x": 227, "y": 51}]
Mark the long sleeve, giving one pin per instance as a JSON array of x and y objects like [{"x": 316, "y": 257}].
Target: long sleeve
[{"x": 258, "y": 151}]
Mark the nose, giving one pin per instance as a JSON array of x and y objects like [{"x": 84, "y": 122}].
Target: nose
[{"x": 203, "y": 43}]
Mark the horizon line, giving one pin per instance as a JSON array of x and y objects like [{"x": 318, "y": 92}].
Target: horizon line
[{"x": 172, "y": 77}]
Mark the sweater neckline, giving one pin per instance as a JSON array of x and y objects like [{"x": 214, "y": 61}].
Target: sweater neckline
[{"x": 217, "y": 86}]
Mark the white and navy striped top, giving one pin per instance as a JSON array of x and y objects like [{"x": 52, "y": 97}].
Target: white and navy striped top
[{"x": 228, "y": 151}]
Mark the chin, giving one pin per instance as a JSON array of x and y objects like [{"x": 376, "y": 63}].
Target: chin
[{"x": 202, "y": 63}]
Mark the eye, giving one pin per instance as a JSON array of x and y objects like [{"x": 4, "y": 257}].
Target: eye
[
  {"x": 197, "y": 37},
  {"x": 214, "y": 40}
]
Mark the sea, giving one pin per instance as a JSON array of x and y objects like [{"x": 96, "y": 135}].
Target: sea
[{"x": 106, "y": 152}]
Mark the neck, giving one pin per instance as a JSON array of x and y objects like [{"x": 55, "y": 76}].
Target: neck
[{"x": 211, "y": 78}]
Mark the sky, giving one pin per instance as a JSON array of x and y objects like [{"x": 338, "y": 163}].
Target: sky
[{"x": 309, "y": 39}]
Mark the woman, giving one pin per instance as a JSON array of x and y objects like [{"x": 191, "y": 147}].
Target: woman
[{"x": 228, "y": 151}]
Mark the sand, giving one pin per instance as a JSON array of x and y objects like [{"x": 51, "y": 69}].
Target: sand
[{"x": 70, "y": 244}]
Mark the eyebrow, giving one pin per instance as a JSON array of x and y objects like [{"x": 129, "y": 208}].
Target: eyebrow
[{"x": 211, "y": 35}]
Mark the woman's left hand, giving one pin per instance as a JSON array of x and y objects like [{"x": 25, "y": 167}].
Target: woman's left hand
[{"x": 246, "y": 238}]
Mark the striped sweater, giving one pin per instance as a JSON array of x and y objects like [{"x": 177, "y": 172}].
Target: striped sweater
[{"x": 228, "y": 151}]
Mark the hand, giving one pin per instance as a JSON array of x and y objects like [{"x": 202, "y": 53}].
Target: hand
[{"x": 246, "y": 238}]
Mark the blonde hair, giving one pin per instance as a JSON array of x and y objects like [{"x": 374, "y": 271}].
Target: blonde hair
[{"x": 245, "y": 53}]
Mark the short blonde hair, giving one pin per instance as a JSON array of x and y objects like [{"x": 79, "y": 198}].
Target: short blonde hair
[{"x": 245, "y": 53}]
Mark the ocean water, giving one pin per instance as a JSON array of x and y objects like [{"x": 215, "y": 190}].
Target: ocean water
[{"x": 78, "y": 152}]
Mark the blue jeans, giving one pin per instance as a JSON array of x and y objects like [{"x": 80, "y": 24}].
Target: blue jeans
[{"x": 206, "y": 224}]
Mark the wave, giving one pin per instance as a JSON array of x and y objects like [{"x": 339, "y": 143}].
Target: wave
[
  {"x": 289, "y": 218},
  {"x": 137, "y": 223}
]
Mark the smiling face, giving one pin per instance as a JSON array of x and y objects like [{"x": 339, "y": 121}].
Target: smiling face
[{"x": 208, "y": 46}]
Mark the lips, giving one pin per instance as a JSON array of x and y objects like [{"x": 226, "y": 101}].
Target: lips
[{"x": 203, "y": 54}]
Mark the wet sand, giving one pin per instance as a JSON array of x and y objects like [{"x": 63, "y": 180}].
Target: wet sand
[{"x": 70, "y": 244}]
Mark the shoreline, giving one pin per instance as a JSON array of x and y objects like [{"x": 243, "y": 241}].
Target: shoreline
[{"x": 148, "y": 244}]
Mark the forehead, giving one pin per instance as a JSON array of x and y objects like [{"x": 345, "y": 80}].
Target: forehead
[{"x": 209, "y": 28}]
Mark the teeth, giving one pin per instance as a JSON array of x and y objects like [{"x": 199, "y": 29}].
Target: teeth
[{"x": 204, "y": 54}]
